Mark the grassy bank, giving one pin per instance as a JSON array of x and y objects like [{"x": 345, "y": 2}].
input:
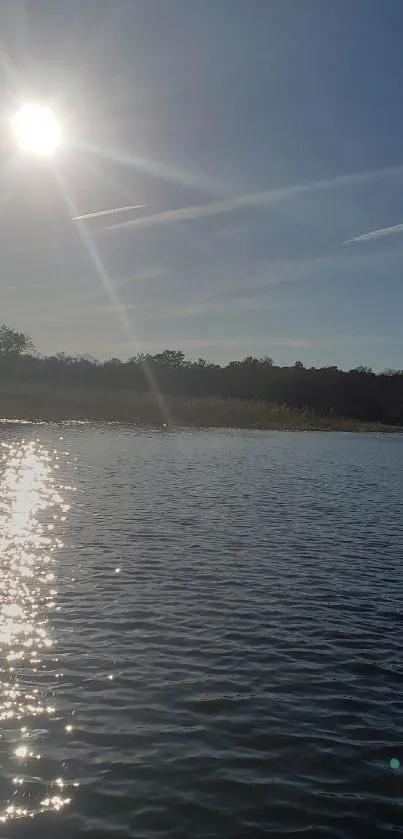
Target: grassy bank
[{"x": 56, "y": 404}]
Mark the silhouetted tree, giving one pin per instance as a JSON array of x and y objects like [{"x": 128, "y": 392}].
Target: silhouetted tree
[
  {"x": 13, "y": 342},
  {"x": 360, "y": 393},
  {"x": 171, "y": 358}
]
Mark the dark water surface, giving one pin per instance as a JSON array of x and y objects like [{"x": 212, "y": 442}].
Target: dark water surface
[{"x": 201, "y": 634}]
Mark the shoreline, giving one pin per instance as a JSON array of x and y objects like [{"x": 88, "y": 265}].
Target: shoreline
[{"x": 34, "y": 404}]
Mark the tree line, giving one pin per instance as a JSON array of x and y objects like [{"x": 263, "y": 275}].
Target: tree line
[{"x": 358, "y": 393}]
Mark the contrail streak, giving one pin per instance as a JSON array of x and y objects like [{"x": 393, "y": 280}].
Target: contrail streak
[
  {"x": 110, "y": 212},
  {"x": 256, "y": 199},
  {"x": 375, "y": 234}
]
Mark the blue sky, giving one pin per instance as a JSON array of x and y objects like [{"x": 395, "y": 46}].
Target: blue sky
[{"x": 262, "y": 136}]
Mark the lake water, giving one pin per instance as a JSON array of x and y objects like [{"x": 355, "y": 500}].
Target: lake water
[{"x": 200, "y": 633}]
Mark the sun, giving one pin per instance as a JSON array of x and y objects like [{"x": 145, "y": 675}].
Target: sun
[{"x": 37, "y": 129}]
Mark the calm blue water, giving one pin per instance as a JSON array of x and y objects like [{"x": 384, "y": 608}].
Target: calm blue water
[{"x": 201, "y": 634}]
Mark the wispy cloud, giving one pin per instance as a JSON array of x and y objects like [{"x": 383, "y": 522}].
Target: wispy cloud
[
  {"x": 240, "y": 344},
  {"x": 255, "y": 199},
  {"x": 375, "y": 234},
  {"x": 109, "y": 212},
  {"x": 146, "y": 275},
  {"x": 40, "y": 246}
]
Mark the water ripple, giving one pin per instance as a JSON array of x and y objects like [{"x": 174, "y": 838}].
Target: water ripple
[
  {"x": 210, "y": 641},
  {"x": 30, "y": 504}
]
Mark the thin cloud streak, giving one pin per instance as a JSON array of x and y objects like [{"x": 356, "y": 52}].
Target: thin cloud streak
[
  {"x": 255, "y": 199},
  {"x": 375, "y": 234},
  {"x": 41, "y": 246},
  {"x": 109, "y": 212}
]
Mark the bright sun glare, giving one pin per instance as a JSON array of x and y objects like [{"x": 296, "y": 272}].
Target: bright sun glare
[{"x": 37, "y": 130}]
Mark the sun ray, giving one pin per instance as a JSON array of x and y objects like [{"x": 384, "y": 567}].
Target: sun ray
[
  {"x": 112, "y": 294},
  {"x": 159, "y": 170},
  {"x": 6, "y": 182},
  {"x": 112, "y": 182},
  {"x": 8, "y": 69}
]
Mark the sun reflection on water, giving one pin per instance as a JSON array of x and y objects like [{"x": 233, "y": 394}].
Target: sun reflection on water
[{"x": 30, "y": 502}]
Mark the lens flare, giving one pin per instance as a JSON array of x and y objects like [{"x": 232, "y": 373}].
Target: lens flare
[{"x": 37, "y": 130}]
